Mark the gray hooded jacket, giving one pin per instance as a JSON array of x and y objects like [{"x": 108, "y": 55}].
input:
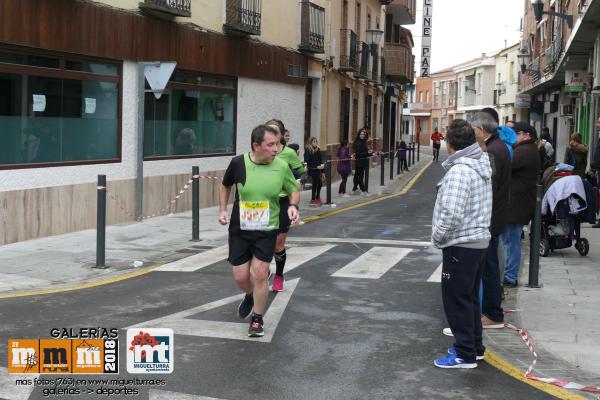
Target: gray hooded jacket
[{"x": 463, "y": 208}]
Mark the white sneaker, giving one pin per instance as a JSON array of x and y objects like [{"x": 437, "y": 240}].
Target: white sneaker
[
  {"x": 447, "y": 332},
  {"x": 365, "y": 194}
]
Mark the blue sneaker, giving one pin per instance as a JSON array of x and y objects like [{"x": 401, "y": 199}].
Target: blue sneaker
[
  {"x": 451, "y": 361},
  {"x": 452, "y": 351}
]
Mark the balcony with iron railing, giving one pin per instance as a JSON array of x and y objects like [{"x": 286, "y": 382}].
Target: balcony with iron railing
[
  {"x": 312, "y": 28},
  {"x": 243, "y": 17},
  {"x": 365, "y": 58},
  {"x": 399, "y": 66},
  {"x": 348, "y": 50},
  {"x": 167, "y": 8},
  {"x": 403, "y": 11}
]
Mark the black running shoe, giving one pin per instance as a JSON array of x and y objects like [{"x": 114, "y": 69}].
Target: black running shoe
[{"x": 245, "y": 307}]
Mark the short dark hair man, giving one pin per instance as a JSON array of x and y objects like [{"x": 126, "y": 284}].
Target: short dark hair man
[
  {"x": 463, "y": 238},
  {"x": 525, "y": 167},
  {"x": 492, "y": 315},
  {"x": 259, "y": 178}
]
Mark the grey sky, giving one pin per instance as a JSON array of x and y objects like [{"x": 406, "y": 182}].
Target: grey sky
[{"x": 463, "y": 29}]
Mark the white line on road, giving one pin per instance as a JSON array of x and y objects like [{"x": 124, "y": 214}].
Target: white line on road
[
  {"x": 298, "y": 255},
  {"x": 8, "y": 388},
  {"x": 437, "y": 275},
  {"x": 183, "y": 325},
  {"x": 412, "y": 243},
  {"x": 166, "y": 395},
  {"x": 373, "y": 264},
  {"x": 198, "y": 261}
]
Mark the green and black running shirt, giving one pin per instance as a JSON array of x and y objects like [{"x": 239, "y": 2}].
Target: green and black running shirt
[
  {"x": 258, "y": 186},
  {"x": 293, "y": 161}
]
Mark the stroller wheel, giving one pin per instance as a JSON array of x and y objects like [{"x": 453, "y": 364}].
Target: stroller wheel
[
  {"x": 544, "y": 248},
  {"x": 583, "y": 246}
]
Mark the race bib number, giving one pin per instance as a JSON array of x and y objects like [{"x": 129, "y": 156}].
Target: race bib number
[{"x": 254, "y": 215}]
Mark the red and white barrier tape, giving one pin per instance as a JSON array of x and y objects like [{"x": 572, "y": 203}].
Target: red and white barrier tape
[
  {"x": 166, "y": 208},
  {"x": 553, "y": 381}
]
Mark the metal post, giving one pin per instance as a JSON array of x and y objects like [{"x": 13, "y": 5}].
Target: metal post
[
  {"x": 413, "y": 152},
  {"x": 367, "y": 173},
  {"x": 139, "y": 176},
  {"x": 391, "y": 165},
  {"x": 101, "y": 223},
  {"x": 195, "y": 204},
  {"x": 534, "y": 248},
  {"x": 418, "y": 151},
  {"x": 382, "y": 164},
  {"x": 328, "y": 176},
  {"x": 408, "y": 150}
]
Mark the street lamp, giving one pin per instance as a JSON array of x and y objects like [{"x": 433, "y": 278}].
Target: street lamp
[
  {"x": 374, "y": 36},
  {"x": 538, "y": 11}
]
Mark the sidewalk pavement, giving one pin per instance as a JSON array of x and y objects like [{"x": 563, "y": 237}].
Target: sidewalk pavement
[
  {"x": 68, "y": 260},
  {"x": 562, "y": 317}
]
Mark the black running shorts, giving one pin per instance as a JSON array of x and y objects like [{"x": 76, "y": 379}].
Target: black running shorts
[
  {"x": 284, "y": 219},
  {"x": 436, "y": 145},
  {"x": 243, "y": 245}
]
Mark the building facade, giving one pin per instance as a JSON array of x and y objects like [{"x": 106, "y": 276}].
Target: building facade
[
  {"x": 507, "y": 80},
  {"x": 560, "y": 68}
]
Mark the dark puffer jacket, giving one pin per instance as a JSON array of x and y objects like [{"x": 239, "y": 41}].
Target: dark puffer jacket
[
  {"x": 525, "y": 167},
  {"x": 498, "y": 151}
]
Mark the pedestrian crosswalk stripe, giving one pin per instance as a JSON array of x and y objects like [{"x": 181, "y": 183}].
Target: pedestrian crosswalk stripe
[
  {"x": 9, "y": 389},
  {"x": 437, "y": 275},
  {"x": 299, "y": 255},
  {"x": 373, "y": 264},
  {"x": 154, "y": 394},
  {"x": 407, "y": 243},
  {"x": 197, "y": 261}
]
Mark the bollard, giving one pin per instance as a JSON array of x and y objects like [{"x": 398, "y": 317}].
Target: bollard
[
  {"x": 408, "y": 156},
  {"x": 413, "y": 152},
  {"x": 382, "y": 164},
  {"x": 534, "y": 248},
  {"x": 195, "y": 204},
  {"x": 328, "y": 176},
  {"x": 391, "y": 153},
  {"x": 418, "y": 151},
  {"x": 367, "y": 173},
  {"x": 101, "y": 223}
]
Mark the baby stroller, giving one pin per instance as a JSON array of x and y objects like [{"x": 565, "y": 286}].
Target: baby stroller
[{"x": 563, "y": 209}]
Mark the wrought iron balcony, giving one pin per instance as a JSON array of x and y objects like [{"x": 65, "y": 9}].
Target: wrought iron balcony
[
  {"x": 399, "y": 65},
  {"x": 348, "y": 50},
  {"x": 167, "y": 8},
  {"x": 312, "y": 35},
  {"x": 403, "y": 11},
  {"x": 365, "y": 55},
  {"x": 243, "y": 17}
]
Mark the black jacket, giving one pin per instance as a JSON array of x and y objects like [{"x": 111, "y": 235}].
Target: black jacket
[
  {"x": 525, "y": 167},
  {"x": 498, "y": 151},
  {"x": 312, "y": 160},
  {"x": 361, "y": 151}
]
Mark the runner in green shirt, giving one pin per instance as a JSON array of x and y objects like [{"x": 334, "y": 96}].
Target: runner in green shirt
[
  {"x": 291, "y": 159},
  {"x": 259, "y": 178}
]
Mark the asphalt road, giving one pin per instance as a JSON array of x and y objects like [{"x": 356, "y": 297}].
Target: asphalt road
[{"x": 338, "y": 337}]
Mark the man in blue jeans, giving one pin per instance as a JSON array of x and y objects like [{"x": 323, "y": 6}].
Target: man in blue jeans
[
  {"x": 525, "y": 168},
  {"x": 461, "y": 228}
]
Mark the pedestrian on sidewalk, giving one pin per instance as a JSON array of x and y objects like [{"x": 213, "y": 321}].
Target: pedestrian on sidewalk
[
  {"x": 595, "y": 164},
  {"x": 576, "y": 155},
  {"x": 460, "y": 227},
  {"x": 290, "y": 157},
  {"x": 436, "y": 139},
  {"x": 344, "y": 166},
  {"x": 361, "y": 157},
  {"x": 492, "y": 314},
  {"x": 402, "y": 150},
  {"x": 525, "y": 167},
  {"x": 259, "y": 177},
  {"x": 315, "y": 166}
]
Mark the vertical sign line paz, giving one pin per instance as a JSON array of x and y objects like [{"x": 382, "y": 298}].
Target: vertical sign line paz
[{"x": 426, "y": 39}]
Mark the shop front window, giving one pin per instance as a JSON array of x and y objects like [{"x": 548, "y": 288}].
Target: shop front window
[{"x": 189, "y": 122}]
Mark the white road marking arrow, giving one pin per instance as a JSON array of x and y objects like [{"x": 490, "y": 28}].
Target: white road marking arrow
[
  {"x": 373, "y": 264},
  {"x": 183, "y": 325}
]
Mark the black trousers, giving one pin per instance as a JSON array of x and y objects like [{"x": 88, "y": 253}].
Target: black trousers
[
  {"x": 343, "y": 184},
  {"x": 403, "y": 165},
  {"x": 359, "y": 176},
  {"x": 462, "y": 269},
  {"x": 492, "y": 286},
  {"x": 316, "y": 183}
]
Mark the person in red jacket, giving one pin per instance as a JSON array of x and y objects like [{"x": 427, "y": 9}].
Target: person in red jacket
[{"x": 436, "y": 138}]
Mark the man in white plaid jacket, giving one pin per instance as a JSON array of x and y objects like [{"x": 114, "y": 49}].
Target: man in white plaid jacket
[{"x": 460, "y": 227}]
